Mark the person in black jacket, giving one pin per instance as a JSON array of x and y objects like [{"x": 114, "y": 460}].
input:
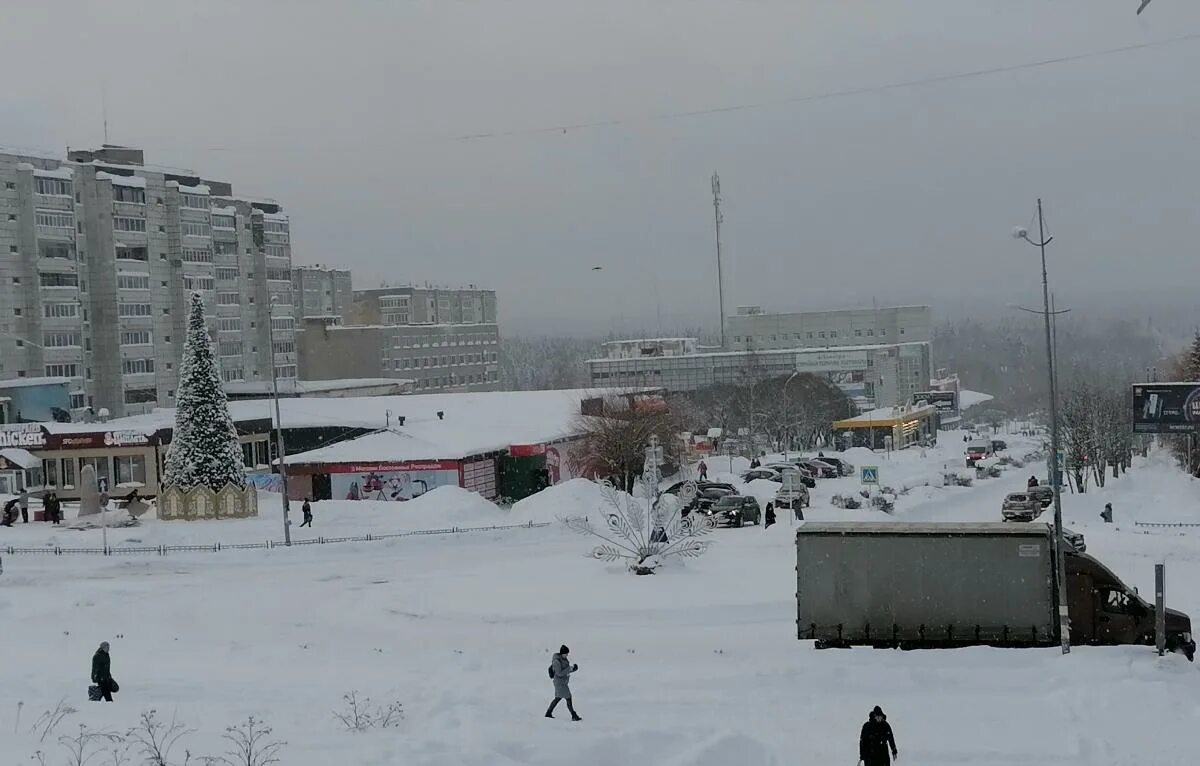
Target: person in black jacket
[
  {"x": 53, "y": 508},
  {"x": 875, "y": 740},
  {"x": 102, "y": 674},
  {"x": 306, "y": 509}
]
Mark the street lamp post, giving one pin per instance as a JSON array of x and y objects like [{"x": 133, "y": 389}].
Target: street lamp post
[
  {"x": 1064, "y": 624},
  {"x": 287, "y": 524},
  {"x": 787, "y": 409}
]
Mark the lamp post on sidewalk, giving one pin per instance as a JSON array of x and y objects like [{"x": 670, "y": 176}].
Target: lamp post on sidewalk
[
  {"x": 287, "y": 524},
  {"x": 787, "y": 413},
  {"x": 1064, "y": 624}
]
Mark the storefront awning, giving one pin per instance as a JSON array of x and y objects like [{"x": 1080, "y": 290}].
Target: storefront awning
[{"x": 20, "y": 457}]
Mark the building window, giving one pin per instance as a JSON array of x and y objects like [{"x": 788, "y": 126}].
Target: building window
[
  {"x": 194, "y": 201},
  {"x": 232, "y": 374},
  {"x": 50, "y": 473},
  {"x": 229, "y": 348},
  {"x": 134, "y": 310},
  {"x": 131, "y": 194},
  {"x": 60, "y": 310},
  {"x": 54, "y": 218},
  {"x": 65, "y": 339},
  {"x": 883, "y": 332},
  {"x": 56, "y": 187},
  {"x": 137, "y": 366},
  {"x": 130, "y": 469},
  {"x": 136, "y": 338},
  {"x": 283, "y": 323},
  {"x": 225, "y": 248},
  {"x": 123, "y": 223},
  {"x": 821, "y": 334},
  {"x": 227, "y": 274},
  {"x": 132, "y": 253},
  {"x": 197, "y": 255},
  {"x": 277, "y": 251},
  {"x": 229, "y": 324},
  {"x": 224, "y": 222},
  {"x": 197, "y": 282},
  {"x": 133, "y": 281},
  {"x": 871, "y": 333},
  {"x": 78, "y": 401},
  {"x": 283, "y": 347},
  {"x": 194, "y": 229},
  {"x": 228, "y": 299},
  {"x": 140, "y": 395},
  {"x": 62, "y": 371},
  {"x": 68, "y": 473},
  {"x": 901, "y": 330},
  {"x": 275, "y": 227},
  {"x": 47, "y": 249}
]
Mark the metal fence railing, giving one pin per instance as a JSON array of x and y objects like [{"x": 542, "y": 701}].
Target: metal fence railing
[
  {"x": 163, "y": 550},
  {"x": 1161, "y": 524}
]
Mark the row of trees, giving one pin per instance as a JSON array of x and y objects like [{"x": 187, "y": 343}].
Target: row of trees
[
  {"x": 1186, "y": 366},
  {"x": 1096, "y": 425}
]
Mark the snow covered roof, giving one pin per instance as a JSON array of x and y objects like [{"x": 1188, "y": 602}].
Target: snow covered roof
[
  {"x": 884, "y": 415},
  {"x": 39, "y": 381},
  {"x": 293, "y": 386},
  {"x": 971, "y": 398},
  {"x": 119, "y": 180},
  {"x": 766, "y": 352},
  {"x": 23, "y": 458},
  {"x": 66, "y": 172}
]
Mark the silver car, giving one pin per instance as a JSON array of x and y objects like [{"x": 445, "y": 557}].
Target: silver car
[{"x": 1020, "y": 506}]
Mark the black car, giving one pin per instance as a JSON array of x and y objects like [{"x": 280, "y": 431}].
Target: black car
[
  {"x": 736, "y": 510},
  {"x": 819, "y": 469},
  {"x": 843, "y": 468}
]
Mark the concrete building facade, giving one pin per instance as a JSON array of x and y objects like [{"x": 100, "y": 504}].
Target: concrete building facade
[
  {"x": 436, "y": 357},
  {"x": 423, "y": 305},
  {"x": 98, "y": 256},
  {"x": 753, "y": 329},
  {"x": 319, "y": 291}
]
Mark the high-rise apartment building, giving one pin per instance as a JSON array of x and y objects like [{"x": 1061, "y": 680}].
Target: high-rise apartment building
[
  {"x": 318, "y": 291},
  {"x": 98, "y": 255},
  {"x": 441, "y": 339}
]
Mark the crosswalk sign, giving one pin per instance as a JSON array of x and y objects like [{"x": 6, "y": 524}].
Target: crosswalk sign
[{"x": 870, "y": 474}]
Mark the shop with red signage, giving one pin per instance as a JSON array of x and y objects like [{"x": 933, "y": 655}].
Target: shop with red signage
[{"x": 123, "y": 461}]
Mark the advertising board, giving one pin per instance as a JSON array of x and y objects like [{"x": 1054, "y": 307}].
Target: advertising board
[
  {"x": 1166, "y": 408},
  {"x": 831, "y": 361}
]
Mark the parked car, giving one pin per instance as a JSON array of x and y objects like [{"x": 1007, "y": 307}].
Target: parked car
[
  {"x": 805, "y": 477},
  {"x": 998, "y": 445},
  {"x": 736, "y": 510},
  {"x": 1020, "y": 506},
  {"x": 817, "y": 468},
  {"x": 770, "y": 474},
  {"x": 792, "y": 500},
  {"x": 709, "y": 493},
  {"x": 1043, "y": 494},
  {"x": 843, "y": 468}
]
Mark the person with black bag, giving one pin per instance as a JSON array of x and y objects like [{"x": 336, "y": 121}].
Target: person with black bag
[
  {"x": 560, "y": 673},
  {"x": 105, "y": 685},
  {"x": 875, "y": 740}
]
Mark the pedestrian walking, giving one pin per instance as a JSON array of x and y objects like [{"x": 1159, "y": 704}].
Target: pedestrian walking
[
  {"x": 703, "y": 471},
  {"x": 10, "y": 512},
  {"x": 53, "y": 508},
  {"x": 1106, "y": 514},
  {"x": 24, "y": 498},
  {"x": 102, "y": 674},
  {"x": 306, "y": 509},
  {"x": 770, "y": 516},
  {"x": 875, "y": 740},
  {"x": 1033, "y": 482},
  {"x": 560, "y": 672}
]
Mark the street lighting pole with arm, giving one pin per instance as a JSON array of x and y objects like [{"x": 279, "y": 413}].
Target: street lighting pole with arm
[
  {"x": 287, "y": 524},
  {"x": 1064, "y": 623},
  {"x": 787, "y": 410}
]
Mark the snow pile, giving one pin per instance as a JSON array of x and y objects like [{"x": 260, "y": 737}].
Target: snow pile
[
  {"x": 577, "y": 497},
  {"x": 449, "y": 506}
]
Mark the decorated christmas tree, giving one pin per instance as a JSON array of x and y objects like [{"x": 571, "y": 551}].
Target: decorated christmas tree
[{"x": 204, "y": 449}]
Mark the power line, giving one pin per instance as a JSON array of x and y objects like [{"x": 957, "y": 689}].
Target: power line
[{"x": 805, "y": 99}]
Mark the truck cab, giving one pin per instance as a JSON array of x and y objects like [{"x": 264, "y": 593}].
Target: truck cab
[{"x": 1105, "y": 611}]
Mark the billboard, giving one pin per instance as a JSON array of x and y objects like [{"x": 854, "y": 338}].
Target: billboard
[
  {"x": 945, "y": 401},
  {"x": 831, "y": 361},
  {"x": 396, "y": 482},
  {"x": 1166, "y": 408}
]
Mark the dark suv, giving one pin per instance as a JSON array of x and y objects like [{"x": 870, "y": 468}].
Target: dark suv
[{"x": 736, "y": 510}]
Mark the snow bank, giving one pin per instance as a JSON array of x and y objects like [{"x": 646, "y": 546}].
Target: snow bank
[
  {"x": 450, "y": 506},
  {"x": 577, "y": 497}
]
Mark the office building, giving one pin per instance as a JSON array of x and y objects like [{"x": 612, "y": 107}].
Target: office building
[
  {"x": 435, "y": 357},
  {"x": 411, "y": 304},
  {"x": 753, "y": 329},
  {"x": 98, "y": 255},
  {"x": 319, "y": 291}
]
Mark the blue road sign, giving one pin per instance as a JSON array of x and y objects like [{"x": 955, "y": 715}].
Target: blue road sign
[{"x": 870, "y": 474}]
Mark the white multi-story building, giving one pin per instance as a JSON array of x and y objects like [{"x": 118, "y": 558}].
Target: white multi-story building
[
  {"x": 322, "y": 292},
  {"x": 98, "y": 255}
]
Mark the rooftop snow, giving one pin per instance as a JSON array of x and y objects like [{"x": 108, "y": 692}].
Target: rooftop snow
[
  {"x": 768, "y": 352},
  {"x": 66, "y": 172},
  {"x": 23, "y": 458},
  {"x": 26, "y": 382},
  {"x": 135, "y": 181},
  {"x": 971, "y": 398},
  {"x": 291, "y": 386},
  {"x": 889, "y": 413}
]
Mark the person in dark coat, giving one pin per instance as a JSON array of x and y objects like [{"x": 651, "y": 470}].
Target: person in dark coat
[
  {"x": 24, "y": 498},
  {"x": 10, "y": 512},
  {"x": 875, "y": 740},
  {"x": 306, "y": 509},
  {"x": 770, "y": 516},
  {"x": 53, "y": 508},
  {"x": 1033, "y": 482},
  {"x": 102, "y": 674},
  {"x": 703, "y": 471},
  {"x": 1106, "y": 514},
  {"x": 560, "y": 671}
]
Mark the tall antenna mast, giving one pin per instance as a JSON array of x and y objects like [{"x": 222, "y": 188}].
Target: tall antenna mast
[
  {"x": 716, "y": 190},
  {"x": 104, "y": 110}
]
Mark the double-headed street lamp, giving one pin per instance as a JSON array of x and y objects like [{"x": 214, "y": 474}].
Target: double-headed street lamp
[{"x": 1064, "y": 624}]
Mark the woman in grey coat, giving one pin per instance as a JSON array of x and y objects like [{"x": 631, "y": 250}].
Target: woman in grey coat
[{"x": 560, "y": 671}]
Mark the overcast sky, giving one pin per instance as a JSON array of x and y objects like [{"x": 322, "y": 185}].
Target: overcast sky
[{"x": 351, "y": 114}]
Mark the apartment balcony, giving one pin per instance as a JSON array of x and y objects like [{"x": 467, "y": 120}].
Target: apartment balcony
[
  {"x": 129, "y": 209},
  {"x": 54, "y": 202},
  {"x": 55, "y": 232}
]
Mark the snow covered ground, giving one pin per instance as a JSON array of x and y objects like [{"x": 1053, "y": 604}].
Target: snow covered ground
[{"x": 696, "y": 666}]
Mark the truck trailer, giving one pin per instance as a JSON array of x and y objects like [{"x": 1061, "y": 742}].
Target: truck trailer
[{"x": 913, "y": 585}]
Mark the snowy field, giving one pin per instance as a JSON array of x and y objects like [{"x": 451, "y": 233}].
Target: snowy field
[{"x": 696, "y": 666}]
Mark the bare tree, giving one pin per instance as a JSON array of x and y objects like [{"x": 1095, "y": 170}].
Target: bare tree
[
  {"x": 250, "y": 744},
  {"x": 612, "y": 444},
  {"x": 157, "y": 739}
]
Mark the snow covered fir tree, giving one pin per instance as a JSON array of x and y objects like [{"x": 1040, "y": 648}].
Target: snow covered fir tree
[{"x": 204, "y": 449}]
